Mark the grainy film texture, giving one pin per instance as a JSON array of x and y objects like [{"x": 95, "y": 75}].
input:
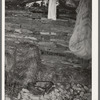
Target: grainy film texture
[{"x": 48, "y": 52}]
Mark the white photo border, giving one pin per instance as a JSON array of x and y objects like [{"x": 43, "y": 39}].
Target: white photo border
[{"x": 94, "y": 50}]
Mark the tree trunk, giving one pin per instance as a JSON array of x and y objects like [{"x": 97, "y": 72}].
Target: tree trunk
[
  {"x": 52, "y": 10},
  {"x": 80, "y": 42}
]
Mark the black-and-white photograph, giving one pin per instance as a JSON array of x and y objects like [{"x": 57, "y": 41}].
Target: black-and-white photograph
[{"x": 48, "y": 49}]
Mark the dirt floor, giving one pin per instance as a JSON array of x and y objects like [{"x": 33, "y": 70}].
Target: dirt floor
[{"x": 59, "y": 65}]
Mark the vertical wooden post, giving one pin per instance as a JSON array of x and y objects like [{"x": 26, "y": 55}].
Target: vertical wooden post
[{"x": 52, "y": 9}]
